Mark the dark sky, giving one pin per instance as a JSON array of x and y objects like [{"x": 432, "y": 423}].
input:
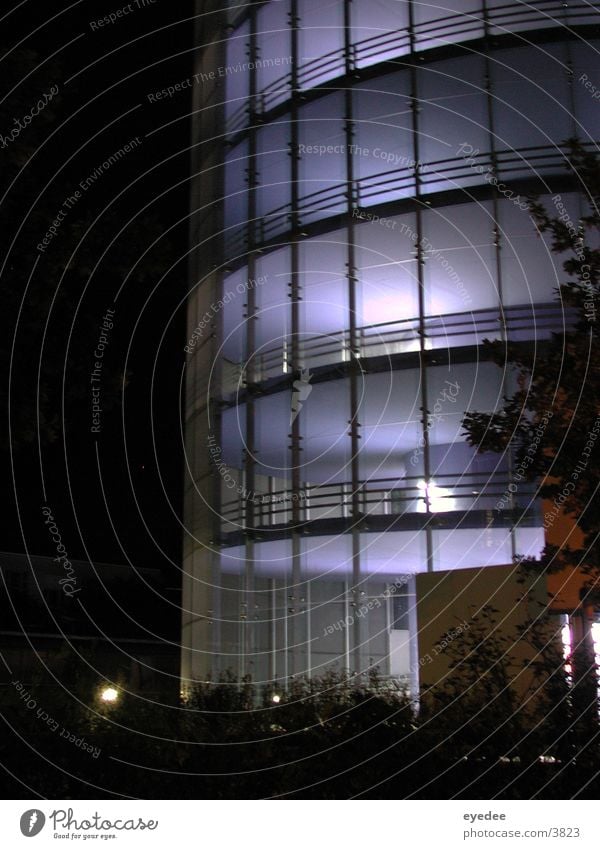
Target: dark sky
[{"x": 114, "y": 494}]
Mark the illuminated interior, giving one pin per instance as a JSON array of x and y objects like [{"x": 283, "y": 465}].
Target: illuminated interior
[{"x": 367, "y": 257}]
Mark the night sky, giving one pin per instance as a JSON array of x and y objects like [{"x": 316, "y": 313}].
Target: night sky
[{"x": 115, "y": 232}]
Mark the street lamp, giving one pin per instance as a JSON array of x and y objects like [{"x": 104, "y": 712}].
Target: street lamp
[{"x": 109, "y": 695}]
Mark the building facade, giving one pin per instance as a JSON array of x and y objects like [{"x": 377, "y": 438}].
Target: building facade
[
  {"x": 122, "y": 632},
  {"x": 359, "y": 226}
]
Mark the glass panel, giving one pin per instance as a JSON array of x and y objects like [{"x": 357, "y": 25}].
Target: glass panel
[
  {"x": 234, "y": 320},
  {"x": 387, "y": 296},
  {"x": 327, "y": 563},
  {"x": 235, "y": 8},
  {"x": 258, "y": 618},
  {"x": 379, "y": 30},
  {"x": 391, "y": 433},
  {"x": 320, "y": 41},
  {"x": 328, "y": 610},
  {"x": 531, "y": 272},
  {"x": 273, "y": 559},
  {"x": 272, "y": 325},
  {"x": 273, "y": 177},
  {"x": 515, "y": 17},
  {"x": 383, "y": 155},
  {"x": 460, "y": 275},
  {"x": 229, "y": 594},
  {"x": 453, "y": 115},
  {"x": 237, "y": 84},
  {"x": 328, "y": 559},
  {"x": 324, "y": 299},
  {"x": 323, "y": 410},
  {"x": 460, "y": 387},
  {"x": 236, "y": 197},
  {"x": 446, "y": 21},
  {"x": 530, "y": 542},
  {"x": 269, "y": 613},
  {"x": 272, "y": 419},
  {"x": 322, "y": 166},
  {"x": 469, "y": 549},
  {"x": 230, "y": 451},
  {"x": 371, "y": 609},
  {"x": 272, "y": 456},
  {"x": 393, "y": 555},
  {"x": 531, "y": 108},
  {"x": 274, "y": 49},
  {"x": 458, "y": 476},
  {"x": 586, "y": 88},
  {"x": 582, "y": 13},
  {"x": 233, "y": 436}
]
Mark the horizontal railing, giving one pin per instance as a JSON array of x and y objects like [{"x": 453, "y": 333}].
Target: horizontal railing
[
  {"x": 447, "y": 29},
  {"x": 398, "y": 183},
  {"x": 514, "y": 323},
  {"x": 482, "y": 494}
]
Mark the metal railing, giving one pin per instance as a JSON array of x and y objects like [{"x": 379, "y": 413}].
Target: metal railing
[
  {"x": 447, "y": 29},
  {"x": 479, "y": 494},
  {"x": 392, "y": 184},
  {"x": 515, "y": 323}
]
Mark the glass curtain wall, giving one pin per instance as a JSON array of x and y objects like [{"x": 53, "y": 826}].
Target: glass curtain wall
[{"x": 366, "y": 254}]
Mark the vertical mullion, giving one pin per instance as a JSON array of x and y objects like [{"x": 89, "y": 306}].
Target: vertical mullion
[
  {"x": 497, "y": 234},
  {"x": 348, "y": 63},
  {"x": 250, "y": 451},
  {"x": 295, "y": 373},
  {"x": 217, "y": 261},
  {"x": 273, "y": 623},
  {"x": 354, "y": 367},
  {"x": 421, "y": 282}
]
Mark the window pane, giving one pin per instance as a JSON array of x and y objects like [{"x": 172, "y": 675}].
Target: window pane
[
  {"x": 531, "y": 272},
  {"x": 323, "y": 410},
  {"x": 272, "y": 426},
  {"x": 379, "y": 30},
  {"x": 453, "y": 113},
  {"x": 320, "y": 40},
  {"x": 274, "y": 48},
  {"x": 322, "y": 165},
  {"x": 237, "y": 83},
  {"x": 327, "y": 619},
  {"x": 582, "y": 13},
  {"x": 530, "y": 105},
  {"x": 515, "y": 17},
  {"x": 460, "y": 478},
  {"x": 233, "y": 436},
  {"x": 466, "y": 548},
  {"x": 236, "y": 197},
  {"x": 393, "y": 553},
  {"x": 383, "y": 159},
  {"x": 272, "y": 324},
  {"x": 324, "y": 299},
  {"x": 273, "y": 178},
  {"x": 460, "y": 272},
  {"x": 530, "y": 542},
  {"x": 234, "y": 321},
  {"x": 387, "y": 296},
  {"x": 391, "y": 430},
  {"x": 585, "y": 75},
  {"x": 446, "y": 21}
]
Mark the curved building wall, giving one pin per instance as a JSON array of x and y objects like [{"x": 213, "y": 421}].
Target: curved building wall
[{"x": 361, "y": 229}]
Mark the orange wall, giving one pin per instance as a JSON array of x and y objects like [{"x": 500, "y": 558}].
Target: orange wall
[{"x": 564, "y": 586}]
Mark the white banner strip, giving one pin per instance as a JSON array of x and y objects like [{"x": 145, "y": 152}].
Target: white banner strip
[{"x": 300, "y": 824}]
